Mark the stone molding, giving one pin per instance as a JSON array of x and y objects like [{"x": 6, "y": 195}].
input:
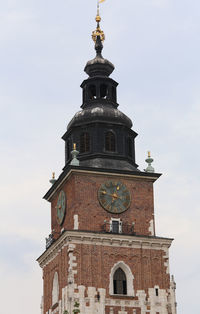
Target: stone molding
[
  {"x": 140, "y": 176},
  {"x": 116, "y": 240}
]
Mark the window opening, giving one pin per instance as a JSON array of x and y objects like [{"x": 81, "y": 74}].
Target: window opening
[
  {"x": 84, "y": 142},
  {"x": 84, "y": 94},
  {"x": 130, "y": 151},
  {"x": 115, "y": 226},
  {"x": 110, "y": 142},
  {"x": 92, "y": 92},
  {"x": 156, "y": 292},
  {"x": 114, "y": 93},
  {"x": 68, "y": 150},
  {"x": 103, "y": 91},
  {"x": 119, "y": 282}
]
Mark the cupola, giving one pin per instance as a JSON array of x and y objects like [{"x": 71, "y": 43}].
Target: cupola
[{"x": 102, "y": 133}]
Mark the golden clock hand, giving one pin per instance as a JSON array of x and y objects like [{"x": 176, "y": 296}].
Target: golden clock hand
[{"x": 105, "y": 193}]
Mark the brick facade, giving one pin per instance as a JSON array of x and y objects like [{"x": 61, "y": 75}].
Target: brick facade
[
  {"x": 81, "y": 190},
  {"x": 84, "y": 256}
]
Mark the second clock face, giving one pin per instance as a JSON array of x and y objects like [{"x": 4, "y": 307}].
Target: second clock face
[
  {"x": 114, "y": 197},
  {"x": 61, "y": 207}
]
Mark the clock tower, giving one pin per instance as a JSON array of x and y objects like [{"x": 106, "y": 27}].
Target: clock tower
[{"x": 103, "y": 255}]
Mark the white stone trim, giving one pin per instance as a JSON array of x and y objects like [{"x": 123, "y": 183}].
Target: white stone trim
[
  {"x": 55, "y": 290},
  {"x": 118, "y": 240},
  {"x": 86, "y": 296},
  {"x": 129, "y": 278},
  {"x": 166, "y": 256},
  {"x": 151, "y": 227},
  {"x": 120, "y": 224},
  {"x": 76, "y": 223}
]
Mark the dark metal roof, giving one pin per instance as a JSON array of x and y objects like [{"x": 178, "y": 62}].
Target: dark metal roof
[{"x": 100, "y": 113}]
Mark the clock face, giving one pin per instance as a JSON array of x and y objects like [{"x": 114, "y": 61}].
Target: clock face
[
  {"x": 61, "y": 207},
  {"x": 114, "y": 197}
]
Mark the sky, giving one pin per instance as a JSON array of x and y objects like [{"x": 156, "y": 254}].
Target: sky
[{"x": 44, "y": 46}]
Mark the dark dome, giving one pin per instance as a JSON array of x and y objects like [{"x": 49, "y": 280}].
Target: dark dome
[
  {"x": 99, "y": 66},
  {"x": 100, "y": 113}
]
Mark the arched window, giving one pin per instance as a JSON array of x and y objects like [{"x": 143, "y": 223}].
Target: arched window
[
  {"x": 84, "y": 142},
  {"x": 110, "y": 142},
  {"x": 103, "y": 91},
  {"x": 55, "y": 290},
  {"x": 119, "y": 282},
  {"x": 92, "y": 92}
]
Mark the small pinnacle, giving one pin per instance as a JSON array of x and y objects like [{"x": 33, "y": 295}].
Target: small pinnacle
[
  {"x": 149, "y": 161},
  {"x": 53, "y": 180},
  {"x": 74, "y": 152}
]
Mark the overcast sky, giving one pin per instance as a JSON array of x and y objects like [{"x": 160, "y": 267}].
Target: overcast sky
[{"x": 44, "y": 46}]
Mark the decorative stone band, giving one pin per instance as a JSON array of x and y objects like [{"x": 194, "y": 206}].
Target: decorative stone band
[
  {"x": 79, "y": 237},
  {"x": 147, "y": 303}
]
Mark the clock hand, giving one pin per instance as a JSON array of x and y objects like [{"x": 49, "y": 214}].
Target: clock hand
[{"x": 114, "y": 195}]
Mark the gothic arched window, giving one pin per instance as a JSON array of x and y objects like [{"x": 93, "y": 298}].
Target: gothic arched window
[
  {"x": 119, "y": 282},
  {"x": 84, "y": 142},
  {"x": 55, "y": 290},
  {"x": 110, "y": 142}
]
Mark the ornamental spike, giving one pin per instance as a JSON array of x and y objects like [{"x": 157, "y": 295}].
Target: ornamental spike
[
  {"x": 74, "y": 152},
  {"x": 149, "y": 161}
]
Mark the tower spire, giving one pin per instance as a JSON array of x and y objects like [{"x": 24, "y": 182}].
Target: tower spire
[{"x": 98, "y": 32}]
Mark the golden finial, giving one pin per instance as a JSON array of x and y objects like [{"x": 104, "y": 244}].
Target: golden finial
[
  {"x": 98, "y": 31},
  {"x": 98, "y": 18},
  {"x": 149, "y": 154},
  {"x": 53, "y": 175},
  {"x": 74, "y": 146}
]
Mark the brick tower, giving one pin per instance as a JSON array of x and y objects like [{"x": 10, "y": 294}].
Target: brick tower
[{"x": 103, "y": 255}]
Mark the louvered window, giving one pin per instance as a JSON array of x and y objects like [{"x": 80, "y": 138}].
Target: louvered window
[
  {"x": 84, "y": 142},
  {"x": 110, "y": 142},
  {"x": 130, "y": 147}
]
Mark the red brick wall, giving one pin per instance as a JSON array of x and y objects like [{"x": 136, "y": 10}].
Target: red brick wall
[
  {"x": 81, "y": 191},
  {"x": 60, "y": 265},
  {"x": 94, "y": 264}
]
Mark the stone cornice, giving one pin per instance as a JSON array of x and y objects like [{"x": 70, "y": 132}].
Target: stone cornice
[
  {"x": 114, "y": 240},
  {"x": 105, "y": 172}
]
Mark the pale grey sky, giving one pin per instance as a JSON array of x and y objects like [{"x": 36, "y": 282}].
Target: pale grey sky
[{"x": 44, "y": 46}]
